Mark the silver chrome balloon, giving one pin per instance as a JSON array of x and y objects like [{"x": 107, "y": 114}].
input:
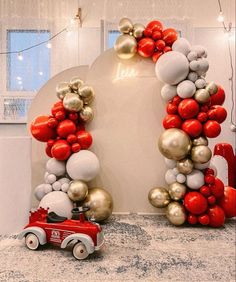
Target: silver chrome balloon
[
  {"x": 177, "y": 191},
  {"x": 125, "y": 46},
  {"x": 159, "y": 197},
  {"x": 86, "y": 93},
  {"x": 200, "y": 141},
  {"x": 212, "y": 88},
  {"x": 202, "y": 96},
  {"x": 201, "y": 154},
  {"x": 138, "y": 30},
  {"x": 86, "y": 114},
  {"x": 78, "y": 190},
  {"x": 72, "y": 102},
  {"x": 175, "y": 213},
  {"x": 62, "y": 89},
  {"x": 125, "y": 25},
  {"x": 75, "y": 83},
  {"x": 185, "y": 166}
]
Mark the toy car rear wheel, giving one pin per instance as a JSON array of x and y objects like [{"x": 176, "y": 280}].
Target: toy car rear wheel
[
  {"x": 32, "y": 241},
  {"x": 79, "y": 251}
]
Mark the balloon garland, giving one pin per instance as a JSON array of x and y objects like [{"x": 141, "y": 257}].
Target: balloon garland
[
  {"x": 194, "y": 113},
  {"x": 71, "y": 164}
]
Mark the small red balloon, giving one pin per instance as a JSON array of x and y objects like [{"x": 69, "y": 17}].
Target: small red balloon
[
  {"x": 156, "y": 55},
  {"x": 188, "y": 108},
  {"x": 228, "y": 202},
  {"x": 205, "y": 191},
  {"x": 146, "y": 47},
  {"x": 171, "y": 108},
  {"x": 219, "y": 97},
  {"x": 211, "y": 129},
  {"x": 147, "y": 32},
  {"x": 167, "y": 49},
  {"x": 169, "y": 35},
  {"x": 61, "y": 150},
  {"x": 73, "y": 116},
  {"x": 192, "y": 219},
  {"x": 50, "y": 142},
  {"x": 209, "y": 171},
  {"x": 209, "y": 179},
  {"x": 52, "y": 122},
  {"x": 204, "y": 219},
  {"x": 217, "y": 113},
  {"x": 57, "y": 107},
  {"x": 192, "y": 127},
  {"x": 195, "y": 203},
  {"x": 156, "y": 34},
  {"x": 155, "y": 25},
  {"x": 204, "y": 108},
  {"x": 75, "y": 147},
  {"x": 71, "y": 138},
  {"x": 60, "y": 115},
  {"x": 48, "y": 151},
  {"x": 172, "y": 121},
  {"x": 176, "y": 100},
  {"x": 211, "y": 200},
  {"x": 218, "y": 188},
  {"x": 65, "y": 128},
  {"x": 40, "y": 130},
  {"x": 160, "y": 44},
  {"x": 216, "y": 215},
  {"x": 202, "y": 117},
  {"x": 84, "y": 138}
]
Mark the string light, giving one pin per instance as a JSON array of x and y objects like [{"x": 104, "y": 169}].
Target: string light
[
  {"x": 40, "y": 73},
  {"x": 49, "y": 45},
  {"x": 220, "y": 17},
  {"x": 20, "y": 56}
]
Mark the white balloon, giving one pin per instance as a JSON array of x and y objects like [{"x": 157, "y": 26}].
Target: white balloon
[
  {"x": 201, "y": 166},
  {"x": 46, "y": 175},
  {"x": 186, "y": 89},
  {"x": 64, "y": 180},
  {"x": 170, "y": 177},
  {"x": 57, "y": 202},
  {"x": 83, "y": 165},
  {"x": 200, "y": 83},
  {"x": 203, "y": 66},
  {"x": 47, "y": 188},
  {"x": 168, "y": 92},
  {"x": 51, "y": 178},
  {"x": 192, "y": 56},
  {"x": 56, "y": 167},
  {"x": 195, "y": 179},
  {"x": 193, "y": 76},
  {"x": 39, "y": 192},
  {"x": 170, "y": 163},
  {"x": 65, "y": 187},
  {"x": 175, "y": 171},
  {"x": 172, "y": 67},
  {"x": 194, "y": 65},
  {"x": 181, "y": 178},
  {"x": 181, "y": 45},
  {"x": 199, "y": 49},
  {"x": 56, "y": 186}
]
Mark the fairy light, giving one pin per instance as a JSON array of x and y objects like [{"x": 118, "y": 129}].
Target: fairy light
[
  {"x": 40, "y": 73},
  {"x": 49, "y": 45},
  {"x": 220, "y": 18},
  {"x": 20, "y": 56}
]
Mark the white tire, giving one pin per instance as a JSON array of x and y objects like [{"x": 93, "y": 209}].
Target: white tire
[
  {"x": 32, "y": 241},
  {"x": 79, "y": 251}
]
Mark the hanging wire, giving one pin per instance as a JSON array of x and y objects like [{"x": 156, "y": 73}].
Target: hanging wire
[{"x": 231, "y": 78}]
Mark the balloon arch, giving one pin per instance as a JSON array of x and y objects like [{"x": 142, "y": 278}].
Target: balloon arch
[{"x": 194, "y": 113}]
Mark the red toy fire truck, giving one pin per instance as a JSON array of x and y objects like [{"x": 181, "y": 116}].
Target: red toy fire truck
[{"x": 45, "y": 227}]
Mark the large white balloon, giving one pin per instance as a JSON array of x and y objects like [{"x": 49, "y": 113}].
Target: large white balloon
[
  {"x": 186, "y": 89},
  {"x": 168, "y": 92},
  {"x": 170, "y": 177},
  {"x": 200, "y": 50},
  {"x": 39, "y": 192},
  {"x": 56, "y": 167},
  {"x": 170, "y": 163},
  {"x": 172, "y": 67},
  {"x": 181, "y": 45},
  {"x": 195, "y": 179},
  {"x": 83, "y": 165},
  {"x": 57, "y": 202}
]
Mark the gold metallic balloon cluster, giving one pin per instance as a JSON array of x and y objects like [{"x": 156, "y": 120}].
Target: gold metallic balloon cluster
[
  {"x": 126, "y": 44},
  {"x": 77, "y": 97}
]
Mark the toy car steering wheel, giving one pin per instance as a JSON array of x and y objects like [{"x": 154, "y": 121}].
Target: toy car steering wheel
[{"x": 79, "y": 210}]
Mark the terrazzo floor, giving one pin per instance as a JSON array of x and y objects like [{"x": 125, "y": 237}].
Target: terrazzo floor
[{"x": 138, "y": 248}]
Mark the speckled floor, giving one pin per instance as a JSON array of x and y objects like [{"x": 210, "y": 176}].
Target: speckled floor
[{"x": 138, "y": 248}]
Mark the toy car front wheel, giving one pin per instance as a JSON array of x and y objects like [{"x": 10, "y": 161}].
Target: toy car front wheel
[
  {"x": 32, "y": 241},
  {"x": 80, "y": 251}
]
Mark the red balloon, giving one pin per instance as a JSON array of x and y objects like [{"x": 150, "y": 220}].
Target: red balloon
[
  {"x": 209, "y": 171},
  {"x": 172, "y": 121},
  {"x": 75, "y": 147},
  {"x": 228, "y": 201},
  {"x": 52, "y": 122},
  {"x": 202, "y": 117},
  {"x": 65, "y": 128},
  {"x": 205, "y": 191},
  {"x": 155, "y": 25},
  {"x": 156, "y": 55},
  {"x": 211, "y": 200},
  {"x": 167, "y": 49},
  {"x": 192, "y": 127},
  {"x": 80, "y": 126},
  {"x": 71, "y": 138},
  {"x": 147, "y": 32},
  {"x": 218, "y": 188},
  {"x": 60, "y": 115},
  {"x": 169, "y": 35},
  {"x": 156, "y": 34},
  {"x": 192, "y": 219},
  {"x": 171, "y": 108},
  {"x": 219, "y": 97},
  {"x": 176, "y": 100},
  {"x": 204, "y": 219},
  {"x": 57, "y": 107},
  {"x": 40, "y": 130},
  {"x": 160, "y": 44},
  {"x": 211, "y": 128},
  {"x": 204, "y": 108},
  {"x": 84, "y": 138},
  {"x": 195, "y": 203},
  {"x": 73, "y": 116},
  {"x": 61, "y": 150},
  {"x": 217, "y": 113},
  {"x": 209, "y": 179},
  {"x": 48, "y": 151},
  {"x": 50, "y": 142},
  {"x": 216, "y": 216},
  {"x": 188, "y": 108},
  {"x": 146, "y": 47}
]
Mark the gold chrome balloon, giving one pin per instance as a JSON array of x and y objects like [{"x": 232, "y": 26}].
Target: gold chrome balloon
[
  {"x": 174, "y": 144},
  {"x": 86, "y": 114},
  {"x": 185, "y": 166},
  {"x": 200, "y": 141},
  {"x": 125, "y": 46},
  {"x": 138, "y": 30},
  {"x": 175, "y": 213},
  {"x": 125, "y": 25},
  {"x": 86, "y": 93},
  {"x": 159, "y": 197},
  {"x": 212, "y": 88},
  {"x": 201, "y": 154},
  {"x": 177, "y": 191},
  {"x": 72, "y": 102},
  {"x": 75, "y": 83},
  {"x": 202, "y": 96},
  {"x": 62, "y": 89},
  {"x": 100, "y": 203},
  {"x": 78, "y": 190}
]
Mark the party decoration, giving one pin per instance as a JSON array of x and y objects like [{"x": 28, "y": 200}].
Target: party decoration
[
  {"x": 177, "y": 191},
  {"x": 175, "y": 213},
  {"x": 159, "y": 197},
  {"x": 228, "y": 202},
  {"x": 67, "y": 143}
]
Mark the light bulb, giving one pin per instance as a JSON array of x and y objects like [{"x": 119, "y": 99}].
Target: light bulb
[
  {"x": 18, "y": 78},
  {"x": 40, "y": 73},
  {"x": 49, "y": 45},
  {"x": 220, "y": 17},
  {"x": 20, "y": 57}
]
